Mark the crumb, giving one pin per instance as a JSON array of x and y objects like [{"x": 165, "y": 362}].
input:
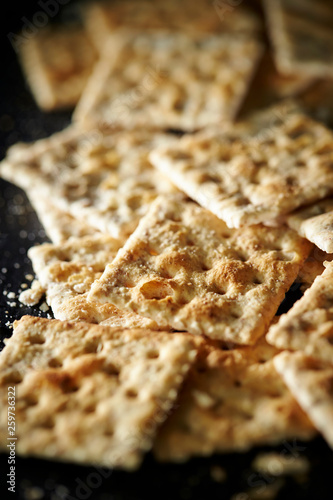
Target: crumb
[
  {"x": 12, "y": 304},
  {"x": 11, "y": 295},
  {"x": 4, "y": 270},
  {"x": 32, "y": 296},
  {"x": 29, "y": 277},
  {"x": 277, "y": 464},
  {"x": 17, "y": 265},
  {"x": 9, "y": 324},
  {"x": 24, "y": 285},
  {"x": 44, "y": 307}
]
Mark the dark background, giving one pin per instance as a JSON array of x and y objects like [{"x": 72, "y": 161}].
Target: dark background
[{"x": 21, "y": 120}]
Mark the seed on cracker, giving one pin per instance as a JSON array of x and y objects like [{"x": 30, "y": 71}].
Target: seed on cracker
[
  {"x": 184, "y": 268},
  {"x": 143, "y": 79},
  {"x": 67, "y": 272},
  {"x": 246, "y": 180},
  {"x": 310, "y": 380},
  {"x": 57, "y": 64},
  {"x": 231, "y": 401},
  {"x": 87, "y": 393}
]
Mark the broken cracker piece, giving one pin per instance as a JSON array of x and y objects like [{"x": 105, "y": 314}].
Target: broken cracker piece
[
  {"x": 89, "y": 394},
  {"x": 284, "y": 165},
  {"x": 184, "y": 268}
]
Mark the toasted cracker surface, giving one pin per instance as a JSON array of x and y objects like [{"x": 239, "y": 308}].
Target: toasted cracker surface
[
  {"x": 308, "y": 325},
  {"x": 102, "y": 176},
  {"x": 315, "y": 223},
  {"x": 143, "y": 79},
  {"x": 57, "y": 64},
  {"x": 104, "y": 18},
  {"x": 89, "y": 394},
  {"x": 281, "y": 167},
  {"x": 310, "y": 380},
  {"x": 67, "y": 271},
  {"x": 184, "y": 268},
  {"x": 301, "y": 32},
  {"x": 232, "y": 400}
]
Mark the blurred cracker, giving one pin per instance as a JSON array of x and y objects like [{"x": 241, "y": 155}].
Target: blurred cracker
[
  {"x": 315, "y": 222},
  {"x": 89, "y": 394},
  {"x": 57, "y": 64},
  {"x": 232, "y": 400},
  {"x": 308, "y": 325},
  {"x": 143, "y": 79},
  {"x": 104, "y": 18},
  {"x": 184, "y": 268},
  {"x": 310, "y": 381},
  {"x": 302, "y": 36},
  {"x": 101, "y": 176}
]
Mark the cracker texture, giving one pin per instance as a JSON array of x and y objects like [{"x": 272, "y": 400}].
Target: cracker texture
[
  {"x": 283, "y": 166},
  {"x": 143, "y": 79},
  {"x": 67, "y": 272},
  {"x": 232, "y": 400},
  {"x": 184, "y": 268},
  {"x": 89, "y": 394},
  {"x": 310, "y": 380}
]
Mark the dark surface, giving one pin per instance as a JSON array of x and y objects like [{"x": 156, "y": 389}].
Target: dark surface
[{"x": 38, "y": 479}]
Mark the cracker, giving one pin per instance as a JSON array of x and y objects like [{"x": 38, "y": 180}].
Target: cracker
[
  {"x": 143, "y": 79},
  {"x": 312, "y": 267},
  {"x": 67, "y": 272},
  {"x": 104, "y": 18},
  {"x": 58, "y": 225},
  {"x": 57, "y": 64},
  {"x": 232, "y": 400},
  {"x": 283, "y": 166},
  {"x": 301, "y": 33},
  {"x": 310, "y": 380},
  {"x": 101, "y": 176},
  {"x": 184, "y": 268},
  {"x": 269, "y": 86},
  {"x": 308, "y": 325},
  {"x": 315, "y": 223},
  {"x": 89, "y": 394},
  {"x": 318, "y": 101}
]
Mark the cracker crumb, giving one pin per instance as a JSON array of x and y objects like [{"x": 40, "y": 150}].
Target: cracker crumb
[
  {"x": 32, "y": 296},
  {"x": 11, "y": 295},
  {"x": 29, "y": 277}
]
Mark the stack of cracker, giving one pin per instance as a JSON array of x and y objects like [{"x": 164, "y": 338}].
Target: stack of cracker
[{"x": 176, "y": 230}]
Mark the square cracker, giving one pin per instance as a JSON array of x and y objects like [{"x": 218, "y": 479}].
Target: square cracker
[
  {"x": 280, "y": 167},
  {"x": 302, "y": 36},
  {"x": 103, "y": 18},
  {"x": 184, "y": 268},
  {"x": 232, "y": 400},
  {"x": 89, "y": 394},
  {"x": 143, "y": 79},
  {"x": 67, "y": 271},
  {"x": 315, "y": 223},
  {"x": 311, "y": 381},
  {"x": 308, "y": 325},
  {"x": 101, "y": 176},
  {"x": 57, "y": 64}
]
